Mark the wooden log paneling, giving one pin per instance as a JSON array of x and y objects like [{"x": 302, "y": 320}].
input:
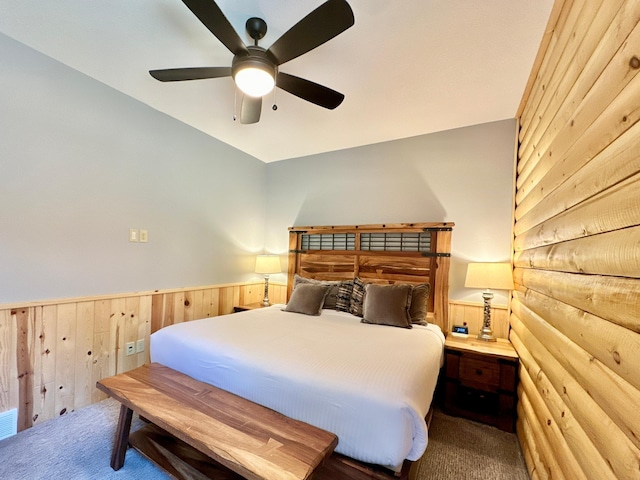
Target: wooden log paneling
[
  {"x": 614, "y": 299},
  {"x": 565, "y": 460},
  {"x": 615, "y": 163},
  {"x": 575, "y": 319},
  {"x": 551, "y": 459},
  {"x": 583, "y": 128},
  {"x": 616, "y": 396},
  {"x": 613, "y": 253},
  {"x": 589, "y": 458},
  {"x": 615, "y": 447},
  {"x": 614, "y": 209},
  {"x": 529, "y": 447},
  {"x": 616, "y": 347},
  {"x": 575, "y": 62},
  {"x": 571, "y": 59},
  {"x": 53, "y": 353},
  {"x": 565, "y": 21},
  {"x": 539, "y": 448}
]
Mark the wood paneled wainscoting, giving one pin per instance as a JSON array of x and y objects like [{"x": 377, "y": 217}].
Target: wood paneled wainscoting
[
  {"x": 576, "y": 308},
  {"x": 52, "y": 353},
  {"x": 471, "y": 314}
]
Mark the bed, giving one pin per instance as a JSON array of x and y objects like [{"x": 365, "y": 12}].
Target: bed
[{"x": 349, "y": 370}]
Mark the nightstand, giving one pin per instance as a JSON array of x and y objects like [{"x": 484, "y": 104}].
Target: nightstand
[
  {"x": 248, "y": 306},
  {"x": 481, "y": 380}
]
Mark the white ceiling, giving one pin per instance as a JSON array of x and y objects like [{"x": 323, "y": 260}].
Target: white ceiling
[{"x": 407, "y": 67}]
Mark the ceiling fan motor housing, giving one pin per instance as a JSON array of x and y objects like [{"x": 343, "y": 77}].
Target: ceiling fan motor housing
[{"x": 257, "y": 58}]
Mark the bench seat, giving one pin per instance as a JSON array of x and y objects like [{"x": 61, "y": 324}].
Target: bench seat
[{"x": 251, "y": 440}]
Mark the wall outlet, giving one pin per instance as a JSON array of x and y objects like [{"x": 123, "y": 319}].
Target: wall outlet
[
  {"x": 144, "y": 236},
  {"x": 140, "y": 345},
  {"x": 131, "y": 348}
]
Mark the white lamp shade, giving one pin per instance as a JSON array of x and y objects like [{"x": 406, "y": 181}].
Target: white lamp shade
[
  {"x": 495, "y": 276},
  {"x": 267, "y": 264}
]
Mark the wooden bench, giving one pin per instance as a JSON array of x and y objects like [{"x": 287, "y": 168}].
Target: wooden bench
[{"x": 246, "y": 438}]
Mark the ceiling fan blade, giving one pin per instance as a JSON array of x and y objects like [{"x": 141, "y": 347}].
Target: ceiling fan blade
[
  {"x": 325, "y": 22},
  {"x": 194, "y": 73},
  {"x": 212, "y": 17},
  {"x": 309, "y": 91},
  {"x": 250, "y": 109}
]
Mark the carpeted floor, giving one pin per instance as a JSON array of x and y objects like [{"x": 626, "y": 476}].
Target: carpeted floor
[
  {"x": 462, "y": 449},
  {"x": 78, "y": 446}
]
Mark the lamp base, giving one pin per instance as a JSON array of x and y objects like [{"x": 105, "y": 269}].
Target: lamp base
[
  {"x": 265, "y": 300},
  {"x": 486, "y": 333},
  {"x": 487, "y": 337}
]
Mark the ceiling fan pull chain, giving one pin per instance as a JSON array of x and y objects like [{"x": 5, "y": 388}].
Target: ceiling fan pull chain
[
  {"x": 274, "y": 107},
  {"x": 235, "y": 103}
]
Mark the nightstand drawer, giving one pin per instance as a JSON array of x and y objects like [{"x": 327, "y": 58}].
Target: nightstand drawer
[
  {"x": 482, "y": 373},
  {"x": 481, "y": 381}
]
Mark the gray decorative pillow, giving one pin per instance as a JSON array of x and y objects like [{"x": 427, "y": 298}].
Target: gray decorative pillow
[
  {"x": 419, "y": 303},
  {"x": 343, "y": 299},
  {"x": 388, "y": 305},
  {"x": 330, "y": 301},
  {"x": 357, "y": 297},
  {"x": 307, "y": 299}
]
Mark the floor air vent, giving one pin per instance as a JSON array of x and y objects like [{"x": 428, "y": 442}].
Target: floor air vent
[{"x": 8, "y": 423}]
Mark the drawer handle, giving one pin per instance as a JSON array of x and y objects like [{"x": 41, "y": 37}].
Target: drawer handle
[{"x": 478, "y": 371}]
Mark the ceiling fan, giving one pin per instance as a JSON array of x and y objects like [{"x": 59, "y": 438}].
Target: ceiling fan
[{"x": 255, "y": 69}]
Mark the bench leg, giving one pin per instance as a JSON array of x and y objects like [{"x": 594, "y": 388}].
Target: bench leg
[{"x": 122, "y": 438}]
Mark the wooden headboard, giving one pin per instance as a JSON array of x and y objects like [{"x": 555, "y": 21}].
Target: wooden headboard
[{"x": 386, "y": 254}]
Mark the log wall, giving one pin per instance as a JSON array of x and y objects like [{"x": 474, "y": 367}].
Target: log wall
[
  {"x": 576, "y": 309},
  {"x": 52, "y": 353}
]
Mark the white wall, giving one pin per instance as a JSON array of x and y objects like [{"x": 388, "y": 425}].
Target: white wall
[
  {"x": 81, "y": 163},
  {"x": 463, "y": 176}
]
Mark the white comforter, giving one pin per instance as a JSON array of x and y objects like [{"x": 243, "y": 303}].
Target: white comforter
[{"x": 371, "y": 385}]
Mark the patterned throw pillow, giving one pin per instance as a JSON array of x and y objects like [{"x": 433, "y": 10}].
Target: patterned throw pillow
[
  {"x": 343, "y": 299},
  {"x": 357, "y": 298}
]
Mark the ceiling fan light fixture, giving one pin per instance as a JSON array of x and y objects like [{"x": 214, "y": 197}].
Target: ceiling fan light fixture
[
  {"x": 254, "y": 82},
  {"x": 254, "y": 74}
]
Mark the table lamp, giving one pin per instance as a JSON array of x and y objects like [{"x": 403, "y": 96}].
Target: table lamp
[
  {"x": 267, "y": 264},
  {"x": 496, "y": 276}
]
